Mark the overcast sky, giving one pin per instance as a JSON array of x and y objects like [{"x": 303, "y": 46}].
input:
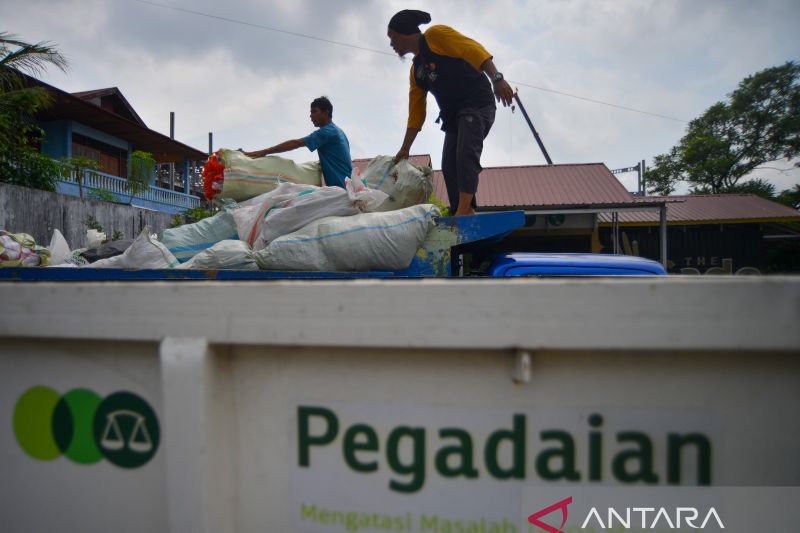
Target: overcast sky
[{"x": 251, "y": 86}]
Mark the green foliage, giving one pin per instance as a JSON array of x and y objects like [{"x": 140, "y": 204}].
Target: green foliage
[
  {"x": 117, "y": 235},
  {"x": 759, "y": 123},
  {"x": 660, "y": 179},
  {"x": 80, "y": 166},
  {"x": 190, "y": 216},
  {"x": 758, "y": 186},
  {"x": 18, "y": 104},
  {"x": 790, "y": 197},
  {"x": 28, "y": 168},
  {"x": 92, "y": 223},
  {"x": 196, "y": 214},
  {"x": 17, "y": 127},
  {"x": 20, "y": 161},
  {"x": 443, "y": 209},
  {"x": 18, "y": 56},
  {"x": 141, "y": 169}
]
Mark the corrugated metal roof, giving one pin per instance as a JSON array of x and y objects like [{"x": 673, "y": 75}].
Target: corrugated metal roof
[
  {"x": 420, "y": 160},
  {"x": 708, "y": 208},
  {"x": 545, "y": 185}
]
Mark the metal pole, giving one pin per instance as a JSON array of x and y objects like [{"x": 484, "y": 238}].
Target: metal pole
[
  {"x": 172, "y": 163},
  {"x": 639, "y": 178},
  {"x": 530, "y": 125},
  {"x": 644, "y": 185},
  {"x": 663, "y": 231},
  {"x": 210, "y": 143}
]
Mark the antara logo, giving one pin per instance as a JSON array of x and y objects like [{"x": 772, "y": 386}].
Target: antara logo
[
  {"x": 535, "y": 517},
  {"x": 631, "y": 517}
]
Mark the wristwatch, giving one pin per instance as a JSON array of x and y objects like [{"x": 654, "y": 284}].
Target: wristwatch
[{"x": 498, "y": 76}]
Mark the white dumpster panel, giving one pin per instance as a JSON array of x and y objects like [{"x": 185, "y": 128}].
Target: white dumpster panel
[
  {"x": 374, "y": 406},
  {"x": 59, "y": 472},
  {"x": 423, "y": 438}
]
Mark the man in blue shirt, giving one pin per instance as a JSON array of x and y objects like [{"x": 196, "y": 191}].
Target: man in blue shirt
[{"x": 329, "y": 140}]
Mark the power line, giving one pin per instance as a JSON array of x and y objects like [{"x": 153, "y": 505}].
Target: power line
[
  {"x": 598, "y": 101},
  {"x": 262, "y": 27},
  {"x": 357, "y": 47}
]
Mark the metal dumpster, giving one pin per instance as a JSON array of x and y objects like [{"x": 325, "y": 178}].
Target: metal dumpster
[{"x": 385, "y": 404}]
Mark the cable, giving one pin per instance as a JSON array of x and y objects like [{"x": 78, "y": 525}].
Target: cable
[
  {"x": 598, "y": 101},
  {"x": 357, "y": 47},
  {"x": 261, "y": 26}
]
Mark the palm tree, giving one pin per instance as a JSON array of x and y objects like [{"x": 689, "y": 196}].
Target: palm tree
[
  {"x": 18, "y": 56},
  {"x": 19, "y": 163}
]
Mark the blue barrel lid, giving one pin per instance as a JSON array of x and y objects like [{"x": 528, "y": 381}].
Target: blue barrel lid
[{"x": 571, "y": 264}]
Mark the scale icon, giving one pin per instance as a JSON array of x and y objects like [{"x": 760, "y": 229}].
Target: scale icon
[
  {"x": 126, "y": 430},
  {"x": 113, "y": 439}
]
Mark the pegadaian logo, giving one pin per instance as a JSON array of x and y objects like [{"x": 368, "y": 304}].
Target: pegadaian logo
[{"x": 85, "y": 428}]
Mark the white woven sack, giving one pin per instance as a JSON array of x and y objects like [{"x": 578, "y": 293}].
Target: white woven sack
[
  {"x": 405, "y": 183},
  {"x": 225, "y": 255},
  {"x": 369, "y": 241},
  {"x": 245, "y": 178},
  {"x": 144, "y": 253},
  {"x": 303, "y": 209},
  {"x": 187, "y": 240},
  {"x": 249, "y": 215}
]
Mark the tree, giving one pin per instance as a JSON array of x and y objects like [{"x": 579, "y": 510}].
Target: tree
[
  {"x": 790, "y": 197},
  {"x": 79, "y": 166},
  {"x": 141, "y": 170},
  {"x": 758, "y": 124},
  {"x": 20, "y": 162}
]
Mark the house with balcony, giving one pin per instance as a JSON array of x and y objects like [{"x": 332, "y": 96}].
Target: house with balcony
[{"x": 103, "y": 126}]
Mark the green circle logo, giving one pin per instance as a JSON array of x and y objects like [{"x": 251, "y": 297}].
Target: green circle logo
[
  {"x": 126, "y": 429},
  {"x": 85, "y": 428}
]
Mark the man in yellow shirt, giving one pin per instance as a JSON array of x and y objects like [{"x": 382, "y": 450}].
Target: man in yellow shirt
[{"x": 453, "y": 68}]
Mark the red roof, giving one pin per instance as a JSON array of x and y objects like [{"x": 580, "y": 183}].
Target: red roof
[
  {"x": 421, "y": 160},
  {"x": 705, "y": 208},
  {"x": 588, "y": 184}
]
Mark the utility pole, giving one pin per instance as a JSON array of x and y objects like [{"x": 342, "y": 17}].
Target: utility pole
[
  {"x": 172, "y": 163},
  {"x": 640, "y": 169},
  {"x": 642, "y": 184}
]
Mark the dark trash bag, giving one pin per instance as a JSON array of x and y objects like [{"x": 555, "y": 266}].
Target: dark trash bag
[{"x": 104, "y": 251}]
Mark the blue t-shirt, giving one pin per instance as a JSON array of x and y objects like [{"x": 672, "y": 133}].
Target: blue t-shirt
[{"x": 334, "y": 153}]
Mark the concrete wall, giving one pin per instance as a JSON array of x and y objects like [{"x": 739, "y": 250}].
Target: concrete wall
[{"x": 38, "y": 213}]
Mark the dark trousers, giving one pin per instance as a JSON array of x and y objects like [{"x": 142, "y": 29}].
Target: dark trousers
[{"x": 461, "y": 154}]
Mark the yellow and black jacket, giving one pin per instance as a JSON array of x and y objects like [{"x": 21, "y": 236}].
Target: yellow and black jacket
[{"x": 447, "y": 66}]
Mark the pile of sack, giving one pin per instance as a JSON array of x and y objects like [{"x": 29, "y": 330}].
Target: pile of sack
[{"x": 276, "y": 216}]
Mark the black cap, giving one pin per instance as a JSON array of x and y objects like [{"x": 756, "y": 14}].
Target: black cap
[{"x": 407, "y": 21}]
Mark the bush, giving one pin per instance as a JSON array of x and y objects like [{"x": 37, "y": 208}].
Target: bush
[
  {"x": 190, "y": 216},
  {"x": 28, "y": 168}
]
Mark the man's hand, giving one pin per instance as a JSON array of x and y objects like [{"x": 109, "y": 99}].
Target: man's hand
[
  {"x": 257, "y": 153},
  {"x": 402, "y": 154},
  {"x": 503, "y": 92}
]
